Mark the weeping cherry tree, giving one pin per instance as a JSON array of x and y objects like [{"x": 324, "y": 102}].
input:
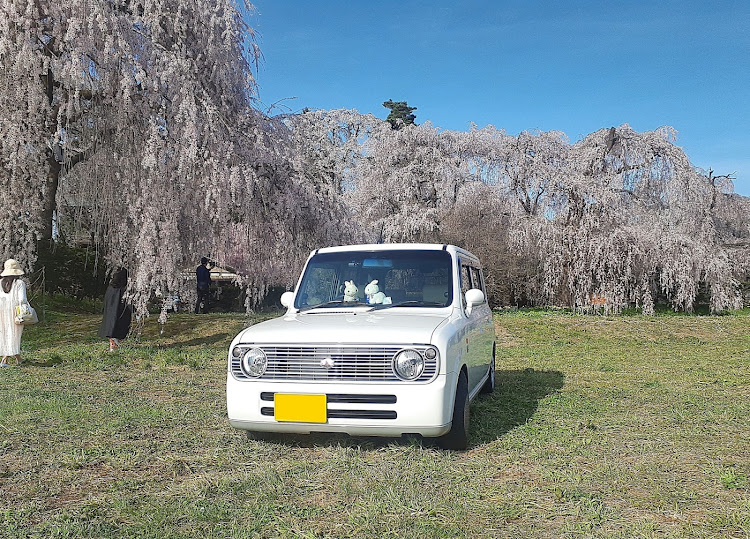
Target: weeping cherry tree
[{"x": 132, "y": 121}]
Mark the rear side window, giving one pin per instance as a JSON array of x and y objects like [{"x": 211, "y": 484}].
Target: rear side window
[
  {"x": 471, "y": 277},
  {"x": 476, "y": 279},
  {"x": 465, "y": 282}
]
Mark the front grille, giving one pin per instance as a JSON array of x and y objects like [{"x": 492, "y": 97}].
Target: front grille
[
  {"x": 351, "y": 363},
  {"x": 267, "y": 396},
  {"x": 346, "y": 414}
]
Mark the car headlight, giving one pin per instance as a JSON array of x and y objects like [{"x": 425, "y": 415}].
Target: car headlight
[
  {"x": 408, "y": 364},
  {"x": 254, "y": 362}
]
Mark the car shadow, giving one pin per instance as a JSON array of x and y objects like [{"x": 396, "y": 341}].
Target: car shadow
[{"x": 513, "y": 402}]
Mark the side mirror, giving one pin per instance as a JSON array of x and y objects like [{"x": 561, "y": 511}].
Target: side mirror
[
  {"x": 287, "y": 299},
  {"x": 474, "y": 297}
]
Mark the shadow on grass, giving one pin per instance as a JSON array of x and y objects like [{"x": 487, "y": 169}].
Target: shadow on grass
[
  {"x": 514, "y": 401},
  {"x": 223, "y": 337},
  {"x": 52, "y": 361}
]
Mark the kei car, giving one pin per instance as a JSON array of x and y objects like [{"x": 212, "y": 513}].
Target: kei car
[{"x": 377, "y": 340}]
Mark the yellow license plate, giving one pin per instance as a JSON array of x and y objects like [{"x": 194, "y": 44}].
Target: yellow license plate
[{"x": 300, "y": 408}]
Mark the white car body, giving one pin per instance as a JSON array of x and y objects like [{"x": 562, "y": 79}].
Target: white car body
[{"x": 342, "y": 353}]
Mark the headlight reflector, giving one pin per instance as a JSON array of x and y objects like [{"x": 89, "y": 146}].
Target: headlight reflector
[
  {"x": 408, "y": 364},
  {"x": 254, "y": 362}
]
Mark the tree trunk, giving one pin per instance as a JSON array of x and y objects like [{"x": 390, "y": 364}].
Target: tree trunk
[{"x": 50, "y": 196}]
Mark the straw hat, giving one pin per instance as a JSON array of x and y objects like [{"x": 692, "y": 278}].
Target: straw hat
[{"x": 11, "y": 268}]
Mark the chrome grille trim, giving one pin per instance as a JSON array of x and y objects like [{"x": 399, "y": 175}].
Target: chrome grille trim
[
  {"x": 347, "y": 398},
  {"x": 346, "y": 414},
  {"x": 352, "y": 363}
]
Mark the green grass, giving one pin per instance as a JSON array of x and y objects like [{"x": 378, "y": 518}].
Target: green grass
[{"x": 624, "y": 427}]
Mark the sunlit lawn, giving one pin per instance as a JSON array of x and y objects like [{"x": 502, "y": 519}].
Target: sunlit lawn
[{"x": 600, "y": 426}]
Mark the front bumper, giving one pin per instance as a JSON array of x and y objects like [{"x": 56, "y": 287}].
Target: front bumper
[{"x": 389, "y": 410}]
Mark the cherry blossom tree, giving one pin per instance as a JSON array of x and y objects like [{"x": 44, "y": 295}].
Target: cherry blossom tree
[
  {"x": 619, "y": 218},
  {"x": 634, "y": 221},
  {"x": 132, "y": 121},
  {"x": 406, "y": 181}
]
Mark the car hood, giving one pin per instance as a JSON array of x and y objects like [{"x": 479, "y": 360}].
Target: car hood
[{"x": 377, "y": 327}]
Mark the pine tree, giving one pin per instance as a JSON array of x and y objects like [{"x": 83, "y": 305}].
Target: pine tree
[{"x": 401, "y": 113}]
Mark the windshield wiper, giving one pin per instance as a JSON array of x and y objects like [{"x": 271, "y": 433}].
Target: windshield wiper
[
  {"x": 412, "y": 303},
  {"x": 332, "y": 304}
]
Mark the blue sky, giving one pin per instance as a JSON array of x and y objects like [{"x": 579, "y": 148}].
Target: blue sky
[{"x": 572, "y": 66}]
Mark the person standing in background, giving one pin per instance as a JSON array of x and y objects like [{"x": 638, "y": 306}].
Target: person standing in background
[
  {"x": 12, "y": 294},
  {"x": 117, "y": 315},
  {"x": 203, "y": 283}
]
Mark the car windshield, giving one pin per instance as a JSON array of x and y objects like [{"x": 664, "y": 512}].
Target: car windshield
[{"x": 408, "y": 278}]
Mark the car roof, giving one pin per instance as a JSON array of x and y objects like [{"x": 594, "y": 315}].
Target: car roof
[{"x": 397, "y": 247}]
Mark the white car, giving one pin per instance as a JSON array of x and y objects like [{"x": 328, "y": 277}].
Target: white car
[{"x": 377, "y": 340}]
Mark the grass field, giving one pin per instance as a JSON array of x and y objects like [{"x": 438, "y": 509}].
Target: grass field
[{"x": 624, "y": 426}]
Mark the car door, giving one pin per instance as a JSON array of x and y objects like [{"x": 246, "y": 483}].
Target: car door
[
  {"x": 476, "y": 334},
  {"x": 485, "y": 337}
]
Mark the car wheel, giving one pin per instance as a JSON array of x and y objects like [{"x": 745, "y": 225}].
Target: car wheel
[
  {"x": 489, "y": 384},
  {"x": 458, "y": 436}
]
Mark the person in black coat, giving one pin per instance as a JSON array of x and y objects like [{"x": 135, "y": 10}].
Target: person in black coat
[
  {"x": 117, "y": 315},
  {"x": 203, "y": 282}
]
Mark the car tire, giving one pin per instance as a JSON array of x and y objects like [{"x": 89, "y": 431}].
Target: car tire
[
  {"x": 489, "y": 384},
  {"x": 458, "y": 436}
]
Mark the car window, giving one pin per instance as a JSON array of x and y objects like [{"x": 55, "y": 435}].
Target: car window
[
  {"x": 465, "y": 283},
  {"x": 415, "y": 278},
  {"x": 323, "y": 283},
  {"x": 476, "y": 279}
]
